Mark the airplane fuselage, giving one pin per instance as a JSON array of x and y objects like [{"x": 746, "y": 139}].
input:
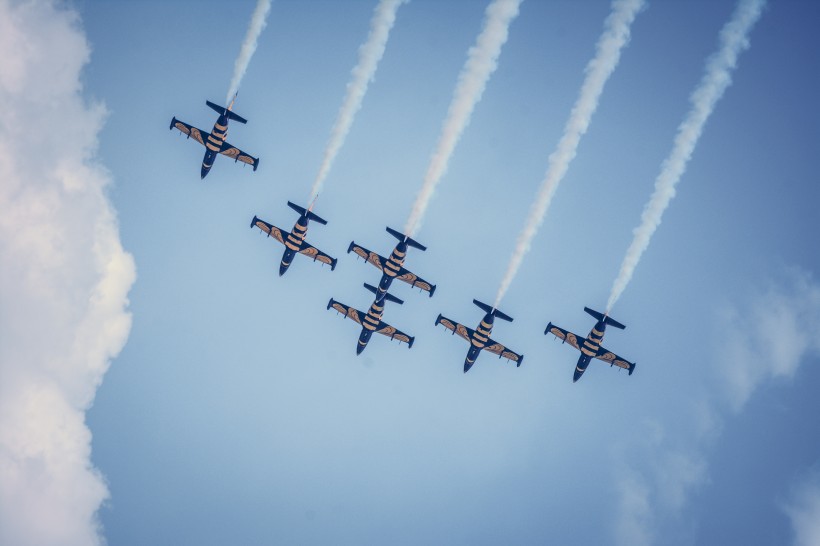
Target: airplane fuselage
[
  {"x": 293, "y": 242},
  {"x": 213, "y": 144},
  {"x": 392, "y": 267},
  {"x": 589, "y": 348},
  {"x": 370, "y": 323},
  {"x": 479, "y": 340}
]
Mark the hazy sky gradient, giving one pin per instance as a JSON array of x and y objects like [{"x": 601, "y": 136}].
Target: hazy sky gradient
[{"x": 238, "y": 411}]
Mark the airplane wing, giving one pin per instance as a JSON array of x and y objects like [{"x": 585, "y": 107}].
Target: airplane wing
[
  {"x": 348, "y": 312},
  {"x": 611, "y": 358},
  {"x": 457, "y": 328},
  {"x": 415, "y": 281},
  {"x": 190, "y": 130},
  {"x": 565, "y": 335},
  {"x": 370, "y": 256},
  {"x": 498, "y": 349},
  {"x": 273, "y": 231},
  {"x": 389, "y": 331},
  {"x": 316, "y": 254},
  {"x": 238, "y": 155}
]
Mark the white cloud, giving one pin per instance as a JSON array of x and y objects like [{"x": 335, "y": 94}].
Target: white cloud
[
  {"x": 654, "y": 491},
  {"x": 770, "y": 336},
  {"x": 803, "y": 509},
  {"x": 65, "y": 280},
  {"x": 664, "y": 463}
]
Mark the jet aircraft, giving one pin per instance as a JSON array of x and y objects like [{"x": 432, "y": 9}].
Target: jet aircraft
[
  {"x": 214, "y": 141},
  {"x": 372, "y": 320},
  {"x": 480, "y": 337},
  {"x": 591, "y": 346},
  {"x": 295, "y": 240},
  {"x": 391, "y": 267}
]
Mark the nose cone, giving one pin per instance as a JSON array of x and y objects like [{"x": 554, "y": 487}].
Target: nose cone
[
  {"x": 577, "y": 375},
  {"x": 282, "y": 268},
  {"x": 360, "y": 347},
  {"x": 204, "y": 172},
  {"x": 467, "y": 365}
]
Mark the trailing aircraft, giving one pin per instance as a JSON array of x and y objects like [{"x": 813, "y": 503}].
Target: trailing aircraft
[
  {"x": 391, "y": 267},
  {"x": 590, "y": 346},
  {"x": 480, "y": 337},
  {"x": 372, "y": 320},
  {"x": 295, "y": 240},
  {"x": 214, "y": 141}
]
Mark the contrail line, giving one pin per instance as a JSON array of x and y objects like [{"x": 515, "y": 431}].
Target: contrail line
[
  {"x": 608, "y": 53},
  {"x": 370, "y": 53},
  {"x": 716, "y": 79},
  {"x": 482, "y": 60},
  {"x": 258, "y": 22}
]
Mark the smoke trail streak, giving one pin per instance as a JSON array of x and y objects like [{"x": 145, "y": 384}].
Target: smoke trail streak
[
  {"x": 482, "y": 60},
  {"x": 370, "y": 53},
  {"x": 716, "y": 78},
  {"x": 258, "y": 22},
  {"x": 607, "y": 55}
]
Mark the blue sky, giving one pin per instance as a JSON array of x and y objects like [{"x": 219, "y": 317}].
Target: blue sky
[{"x": 238, "y": 411}]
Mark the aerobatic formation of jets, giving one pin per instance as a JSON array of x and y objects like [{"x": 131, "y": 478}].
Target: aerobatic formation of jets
[{"x": 391, "y": 268}]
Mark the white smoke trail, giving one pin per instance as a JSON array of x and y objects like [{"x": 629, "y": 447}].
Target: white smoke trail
[
  {"x": 716, "y": 78},
  {"x": 370, "y": 53},
  {"x": 258, "y": 22},
  {"x": 482, "y": 60},
  {"x": 65, "y": 280},
  {"x": 607, "y": 55}
]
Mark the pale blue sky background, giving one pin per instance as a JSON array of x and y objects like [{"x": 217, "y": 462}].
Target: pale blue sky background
[{"x": 238, "y": 412}]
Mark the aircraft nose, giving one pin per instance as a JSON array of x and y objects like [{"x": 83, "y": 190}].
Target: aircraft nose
[
  {"x": 359, "y": 348},
  {"x": 467, "y": 366}
]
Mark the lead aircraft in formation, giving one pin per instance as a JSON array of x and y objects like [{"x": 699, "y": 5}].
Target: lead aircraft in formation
[
  {"x": 214, "y": 141},
  {"x": 590, "y": 346},
  {"x": 372, "y": 320},
  {"x": 480, "y": 337},
  {"x": 392, "y": 267},
  {"x": 295, "y": 240}
]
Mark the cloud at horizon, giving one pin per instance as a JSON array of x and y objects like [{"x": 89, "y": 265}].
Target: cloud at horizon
[{"x": 65, "y": 280}]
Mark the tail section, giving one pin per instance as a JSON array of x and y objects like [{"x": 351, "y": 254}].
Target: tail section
[
  {"x": 605, "y": 318},
  {"x": 406, "y": 239},
  {"x": 222, "y": 111},
  {"x": 388, "y": 296},
  {"x": 309, "y": 214},
  {"x": 495, "y": 312}
]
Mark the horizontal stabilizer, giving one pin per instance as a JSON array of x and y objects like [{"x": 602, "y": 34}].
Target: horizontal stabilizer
[
  {"x": 405, "y": 239},
  {"x": 309, "y": 214},
  {"x": 387, "y": 295},
  {"x": 605, "y": 318},
  {"x": 222, "y": 111},
  {"x": 495, "y": 312}
]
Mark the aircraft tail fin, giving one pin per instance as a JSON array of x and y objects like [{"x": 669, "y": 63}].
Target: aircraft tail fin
[
  {"x": 406, "y": 238},
  {"x": 222, "y": 111},
  {"x": 309, "y": 214},
  {"x": 495, "y": 312},
  {"x": 605, "y": 318},
  {"x": 388, "y": 296}
]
